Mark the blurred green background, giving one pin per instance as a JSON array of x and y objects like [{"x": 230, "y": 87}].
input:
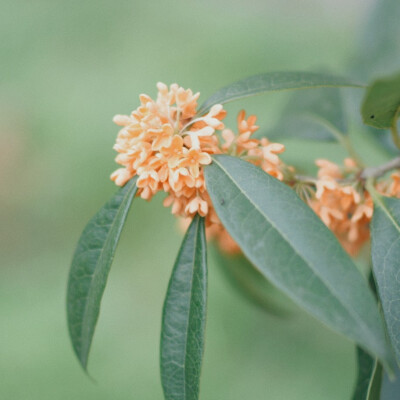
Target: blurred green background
[{"x": 66, "y": 68}]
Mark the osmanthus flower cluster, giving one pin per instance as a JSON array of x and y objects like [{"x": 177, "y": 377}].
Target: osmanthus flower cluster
[
  {"x": 344, "y": 204},
  {"x": 166, "y": 145}
]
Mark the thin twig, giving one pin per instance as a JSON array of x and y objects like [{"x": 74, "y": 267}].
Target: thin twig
[
  {"x": 376, "y": 172},
  {"x": 306, "y": 179}
]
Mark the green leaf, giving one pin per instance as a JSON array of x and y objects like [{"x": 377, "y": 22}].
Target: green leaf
[
  {"x": 274, "y": 81},
  {"x": 381, "y": 105},
  {"x": 249, "y": 282},
  {"x": 90, "y": 267},
  {"x": 374, "y": 391},
  {"x": 369, "y": 378},
  {"x": 385, "y": 232},
  {"x": 312, "y": 114},
  {"x": 184, "y": 317},
  {"x": 379, "y": 50},
  {"x": 290, "y": 245}
]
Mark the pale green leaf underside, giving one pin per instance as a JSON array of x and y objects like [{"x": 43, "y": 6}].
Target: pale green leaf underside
[
  {"x": 386, "y": 263},
  {"x": 274, "y": 81},
  {"x": 381, "y": 103},
  {"x": 90, "y": 267},
  {"x": 184, "y": 316},
  {"x": 288, "y": 243}
]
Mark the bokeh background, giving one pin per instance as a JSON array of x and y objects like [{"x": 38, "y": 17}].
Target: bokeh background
[{"x": 66, "y": 68}]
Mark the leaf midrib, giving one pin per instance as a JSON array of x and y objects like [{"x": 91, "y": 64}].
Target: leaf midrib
[
  {"x": 190, "y": 306},
  {"x": 372, "y": 379},
  {"x": 386, "y": 210}
]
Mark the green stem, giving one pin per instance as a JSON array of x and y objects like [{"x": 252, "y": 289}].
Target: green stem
[{"x": 369, "y": 185}]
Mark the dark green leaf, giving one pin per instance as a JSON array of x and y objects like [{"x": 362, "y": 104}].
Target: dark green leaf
[
  {"x": 90, "y": 267},
  {"x": 374, "y": 392},
  {"x": 369, "y": 377},
  {"x": 312, "y": 114},
  {"x": 379, "y": 49},
  {"x": 251, "y": 283},
  {"x": 184, "y": 316},
  {"x": 290, "y": 245},
  {"x": 381, "y": 103},
  {"x": 274, "y": 81},
  {"x": 386, "y": 263}
]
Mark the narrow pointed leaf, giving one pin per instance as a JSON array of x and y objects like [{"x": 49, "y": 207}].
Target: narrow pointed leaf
[
  {"x": 312, "y": 114},
  {"x": 274, "y": 81},
  {"x": 386, "y": 263},
  {"x": 288, "y": 243},
  {"x": 369, "y": 378},
  {"x": 184, "y": 316},
  {"x": 90, "y": 267},
  {"x": 381, "y": 105},
  {"x": 374, "y": 390}
]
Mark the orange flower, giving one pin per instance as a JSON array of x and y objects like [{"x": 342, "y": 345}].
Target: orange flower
[
  {"x": 197, "y": 205},
  {"x": 342, "y": 208},
  {"x": 213, "y": 118},
  {"x": 197, "y": 134},
  {"x": 193, "y": 159},
  {"x": 246, "y": 125},
  {"x": 121, "y": 176},
  {"x": 174, "y": 152},
  {"x": 265, "y": 155},
  {"x": 186, "y": 102},
  {"x": 394, "y": 188},
  {"x": 163, "y": 136},
  {"x": 229, "y": 138},
  {"x": 328, "y": 169},
  {"x": 148, "y": 177},
  {"x": 180, "y": 178},
  {"x": 270, "y": 151}
]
